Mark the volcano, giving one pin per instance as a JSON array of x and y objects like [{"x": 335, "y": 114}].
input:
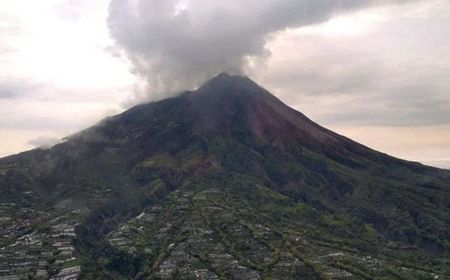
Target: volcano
[{"x": 224, "y": 182}]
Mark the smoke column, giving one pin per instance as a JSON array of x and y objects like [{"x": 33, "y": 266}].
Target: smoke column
[{"x": 175, "y": 45}]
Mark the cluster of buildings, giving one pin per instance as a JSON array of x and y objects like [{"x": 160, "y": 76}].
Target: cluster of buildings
[{"x": 36, "y": 245}]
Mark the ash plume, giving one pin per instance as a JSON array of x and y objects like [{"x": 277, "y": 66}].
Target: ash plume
[{"x": 177, "y": 44}]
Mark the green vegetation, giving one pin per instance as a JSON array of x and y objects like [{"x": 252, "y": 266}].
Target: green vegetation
[{"x": 197, "y": 186}]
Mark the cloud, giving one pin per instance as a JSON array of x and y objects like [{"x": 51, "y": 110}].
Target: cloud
[
  {"x": 395, "y": 73},
  {"x": 78, "y": 10},
  {"x": 44, "y": 142},
  {"x": 176, "y": 44},
  {"x": 71, "y": 9},
  {"x": 14, "y": 88}
]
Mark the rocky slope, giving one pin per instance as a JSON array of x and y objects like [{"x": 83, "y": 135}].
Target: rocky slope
[{"x": 225, "y": 182}]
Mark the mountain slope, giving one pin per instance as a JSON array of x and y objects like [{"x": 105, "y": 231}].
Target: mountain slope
[{"x": 225, "y": 182}]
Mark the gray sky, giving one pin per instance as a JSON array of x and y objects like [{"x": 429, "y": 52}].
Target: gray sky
[{"x": 376, "y": 71}]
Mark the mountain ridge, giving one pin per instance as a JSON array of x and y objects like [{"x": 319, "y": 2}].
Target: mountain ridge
[{"x": 228, "y": 182}]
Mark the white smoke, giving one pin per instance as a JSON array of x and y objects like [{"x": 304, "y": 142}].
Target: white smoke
[
  {"x": 176, "y": 44},
  {"x": 44, "y": 142}
]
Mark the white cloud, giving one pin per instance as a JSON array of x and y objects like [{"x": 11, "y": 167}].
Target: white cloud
[
  {"x": 175, "y": 48},
  {"x": 393, "y": 74},
  {"x": 44, "y": 142},
  {"x": 56, "y": 76}
]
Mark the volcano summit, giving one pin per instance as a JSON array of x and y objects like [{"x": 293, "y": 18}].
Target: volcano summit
[{"x": 224, "y": 182}]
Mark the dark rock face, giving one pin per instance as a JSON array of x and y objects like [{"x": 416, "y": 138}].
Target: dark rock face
[
  {"x": 225, "y": 182},
  {"x": 226, "y": 97}
]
